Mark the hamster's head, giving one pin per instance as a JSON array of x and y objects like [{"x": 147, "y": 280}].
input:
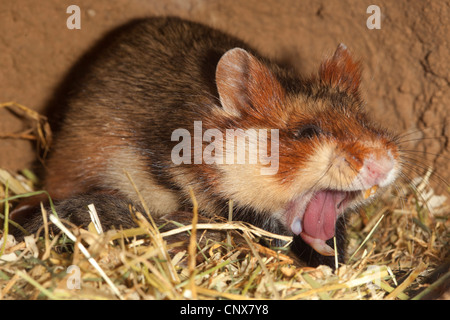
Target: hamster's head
[{"x": 330, "y": 156}]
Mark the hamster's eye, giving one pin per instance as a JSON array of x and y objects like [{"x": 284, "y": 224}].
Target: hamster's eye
[{"x": 308, "y": 131}]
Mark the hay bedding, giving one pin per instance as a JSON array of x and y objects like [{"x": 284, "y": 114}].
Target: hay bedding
[{"x": 395, "y": 245}]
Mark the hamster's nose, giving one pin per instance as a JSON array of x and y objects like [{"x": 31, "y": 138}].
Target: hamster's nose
[{"x": 376, "y": 171}]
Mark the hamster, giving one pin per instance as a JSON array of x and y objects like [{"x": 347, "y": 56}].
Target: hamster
[{"x": 159, "y": 78}]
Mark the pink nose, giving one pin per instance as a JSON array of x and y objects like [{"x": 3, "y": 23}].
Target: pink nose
[{"x": 375, "y": 171}]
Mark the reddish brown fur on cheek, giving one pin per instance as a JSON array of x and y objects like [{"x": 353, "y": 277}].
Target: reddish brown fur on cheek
[{"x": 293, "y": 156}]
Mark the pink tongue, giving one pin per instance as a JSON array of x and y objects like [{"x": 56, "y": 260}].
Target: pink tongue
[{"x": 321, "y": 214}]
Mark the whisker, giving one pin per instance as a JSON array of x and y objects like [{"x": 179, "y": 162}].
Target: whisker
[
  {"x": 420, "y": 169},
  {"x": 419, "y": 194},
  {"x": 421, "y": 139},
  {"x": 426, "y": 153},
  {"x": 421, "y": 130}
]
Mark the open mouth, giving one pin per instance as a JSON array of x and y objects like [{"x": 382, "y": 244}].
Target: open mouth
[{"x": 314, "y": 217}]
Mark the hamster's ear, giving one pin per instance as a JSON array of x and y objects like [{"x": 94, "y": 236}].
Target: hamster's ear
[
  {"x": 341, "y": 71},
  {"x": 246, "y": 86}
]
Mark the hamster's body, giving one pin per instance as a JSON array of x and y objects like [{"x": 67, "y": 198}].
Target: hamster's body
[{"x": 164, "y": 74}]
